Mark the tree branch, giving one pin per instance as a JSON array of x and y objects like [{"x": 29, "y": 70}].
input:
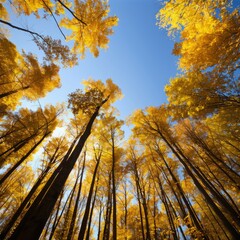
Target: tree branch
[
  {"x": 49, "y": 9},
  {"x": 71, "y": 12},
  {"x": 21, "y": 29}
]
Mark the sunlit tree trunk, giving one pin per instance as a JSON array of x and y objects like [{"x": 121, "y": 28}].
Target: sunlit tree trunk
[
  {"x": 99, "y": 221},
  {"x": 186, "y": 201}
]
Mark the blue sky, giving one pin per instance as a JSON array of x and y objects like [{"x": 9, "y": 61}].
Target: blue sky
[{"x": 138, "y": 59}]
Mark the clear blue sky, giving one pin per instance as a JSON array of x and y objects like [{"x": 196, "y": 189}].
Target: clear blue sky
[{"x": 138, "y": 59}]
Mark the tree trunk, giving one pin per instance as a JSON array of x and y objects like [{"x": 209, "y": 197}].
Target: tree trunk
[
  {"x": 191, "y": 211},
  {"x": 25, "y": 202},
  {"x": 114, "y": 190},
  {"x": 178, "y": 153},
  {"x": 23, "y": 158},
  {"x": 144, "y": 203},
  {"x": 74, "y": 215},
  {"x": 91, "y": 214},
  {"x": 36, "y": 217},
  {"x": 99, "y": 221},
  {"x": 88, "y": 204},
  {"x": 106, "y": 231},
  {"x": 13, "y": 91}
]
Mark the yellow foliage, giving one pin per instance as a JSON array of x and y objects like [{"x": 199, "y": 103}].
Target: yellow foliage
[
  {"x": 93, "y": 34},
  {"x": 109, "y": 90},
  {"x": 177, "y": 14},
  {"x": 3, "y": 11},
  {"x": 29, "y": 7},
  {"x": 23, "y": 77},
  {"x": 210, "y": 42},
  {"x": 196, "y": 94}
]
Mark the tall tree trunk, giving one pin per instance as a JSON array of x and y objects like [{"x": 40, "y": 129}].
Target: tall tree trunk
[
  {"x": 140, "y": 212},
  {"x": 187, "y": 203},
  {"x": 167, "y": 208},
  {"x": 57, "y": 218},
  {"x": 114, "y": 190},
  {"x": 91, "y": 214},
  {"x": 106, "y": 231},
  {"x": 74, "y": 215},
  {"x": 125, "y": 211},
  {"x": 88, "y": 204},
  {"x": 68, "y": 214},
  {"x": 34, "y": 220},
  {"x": 144, "y": 202},
  {"x": 99, "y": 221},
  {"x": 26, "y": 201},
  {"x": 187, "y": 165}
]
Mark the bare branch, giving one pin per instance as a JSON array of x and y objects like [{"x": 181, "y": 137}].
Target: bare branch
[{"x": 49, "y": 9}]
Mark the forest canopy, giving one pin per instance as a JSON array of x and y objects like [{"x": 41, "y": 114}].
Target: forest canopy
[{"x": 67, "y": 169}]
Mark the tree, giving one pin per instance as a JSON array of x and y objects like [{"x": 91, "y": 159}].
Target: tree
[
  {"x": 54, "y": 150},
  {"x": 155, "y": 121},
  {"x": 111, "y": 133},
  {"x": 85, "y": 220},
  {"x": 22, "y": 76},
  {"x": 37, "y": 215},
  {"x": 89, "y": 27}
]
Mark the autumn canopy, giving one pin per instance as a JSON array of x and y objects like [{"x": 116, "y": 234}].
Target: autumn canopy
[{"x": 68, "y": 172}]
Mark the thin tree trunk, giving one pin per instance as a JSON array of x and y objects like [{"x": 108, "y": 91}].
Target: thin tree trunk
[
  {"x": 106, "y": 231},
  {"x": 25, "y": 202},
  {"x": 99, "y": 221},
  {"x": 168, "y": 212},
  {"x": 54, "y": 225},
  {"x": 177, "y": 152},
  {"x": 191, "y": 211},
  {"x": 88, "y": 204},
  {"x": 67, "y": 215},
  {"x": 114, "y": 190},
  {"x": 144, "y": 203},
  {"x": 74, "y": 215},
  {"x": 91, "y": 214},
  {"x": 140, "y": 212},
  {"x": 23, "y": 158}
]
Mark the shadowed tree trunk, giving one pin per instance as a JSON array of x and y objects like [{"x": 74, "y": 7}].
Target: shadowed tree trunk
[
  {"x": 89, "y": 199},
  {"x": 23, "y": 158},
  {"x": 35, "y": 219},
  {"x": 74, "y": 215},
  {"x": 13, "y": 91},
  {"x": 188, "y": 166},
  {"x": 91, "y": 214},
  {"x": 106, "y": 231},
  {"x": 28, "y": 197}
]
